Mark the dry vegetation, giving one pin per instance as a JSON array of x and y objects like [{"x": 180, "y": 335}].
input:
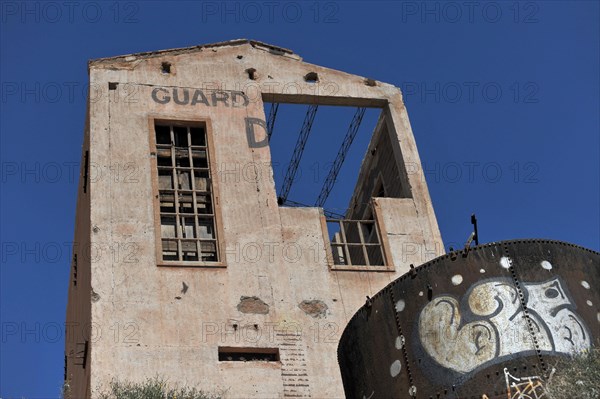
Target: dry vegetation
[
  {"x": 152, "y": 388},
  {"x": 576, "y": 377}
]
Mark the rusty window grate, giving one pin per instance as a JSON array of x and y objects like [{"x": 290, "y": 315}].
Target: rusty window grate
[
  {"x": 355, "y": 243},
  {"x": 187, "y": 218}
]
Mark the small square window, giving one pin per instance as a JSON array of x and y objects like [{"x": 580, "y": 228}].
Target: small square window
[
  {"x": 355, "y": 244},
  {"x": 163, "y": 134},
  {"x": 198, "y": 136}
]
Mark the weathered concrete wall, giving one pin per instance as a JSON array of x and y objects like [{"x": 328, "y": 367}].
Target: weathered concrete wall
[{"x": 169, "y": 320}]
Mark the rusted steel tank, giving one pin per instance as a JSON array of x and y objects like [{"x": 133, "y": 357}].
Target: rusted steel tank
[{"x": 487, "y": 321}]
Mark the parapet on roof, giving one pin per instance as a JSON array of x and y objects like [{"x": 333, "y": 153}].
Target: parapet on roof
[{"x": 276, "y": 50}]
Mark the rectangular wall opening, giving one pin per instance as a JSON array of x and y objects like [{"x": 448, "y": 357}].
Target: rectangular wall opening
[
  {"x": 235, "y": 354},
  {"x": 366, "y": 168}
]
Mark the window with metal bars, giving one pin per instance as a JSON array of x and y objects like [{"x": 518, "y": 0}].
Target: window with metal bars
[
  {"x": 355, "y": 243},
  {"x": 185, "y": 191}
]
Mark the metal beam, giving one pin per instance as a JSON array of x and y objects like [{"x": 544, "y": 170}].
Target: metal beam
[
  {"x": 297, "y": 155},
  {"x": 271, "y": 119},
  {"x": 341, "y": 156}
]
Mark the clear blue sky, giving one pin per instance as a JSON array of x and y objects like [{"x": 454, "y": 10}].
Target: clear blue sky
[{"x": 503, "y": 99}]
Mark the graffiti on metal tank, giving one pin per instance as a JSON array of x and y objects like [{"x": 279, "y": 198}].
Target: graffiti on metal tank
[
  {"x": 489, "y": 323},
  {"x": 524, "y": 387},
  {"x": 460, "y": 319}
]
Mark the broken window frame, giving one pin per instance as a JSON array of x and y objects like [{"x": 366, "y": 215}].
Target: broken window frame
[
  {"x": 211, "y": 192},
  {"x": 381, "y": 243}
]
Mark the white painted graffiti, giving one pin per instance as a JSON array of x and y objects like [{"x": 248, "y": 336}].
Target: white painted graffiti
[
  {"x": 524, "y": 387},
  {"x": 490, "y": 323}
]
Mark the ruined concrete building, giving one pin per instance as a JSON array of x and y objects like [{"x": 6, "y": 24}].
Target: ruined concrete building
[{"x": 162, "y": 275}]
